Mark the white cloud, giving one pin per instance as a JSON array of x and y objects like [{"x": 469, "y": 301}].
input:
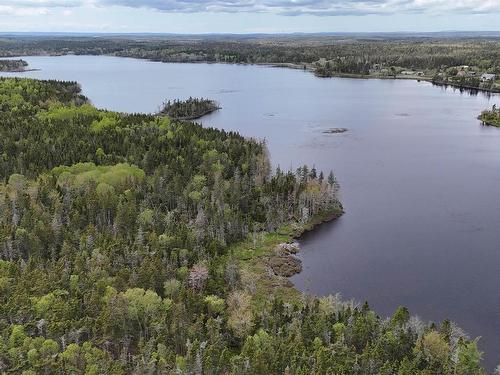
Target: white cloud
[
  {"x": 313, "y": 7},
  {"x": 34, "y": 7},
  {"x": 281, "y": 7},
  {"x": 7, "y": 10},
  {"x": 41, "y": 3}
]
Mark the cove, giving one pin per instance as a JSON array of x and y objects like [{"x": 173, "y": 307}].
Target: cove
[{"x": 419, "y": 175}]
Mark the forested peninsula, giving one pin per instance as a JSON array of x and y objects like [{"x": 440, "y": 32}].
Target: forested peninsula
[
  {"x": 133, "y": 244},
  {"x": 13, "y": 65}
]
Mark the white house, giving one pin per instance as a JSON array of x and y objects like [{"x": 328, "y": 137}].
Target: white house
[{"x": 487, "y": 77}]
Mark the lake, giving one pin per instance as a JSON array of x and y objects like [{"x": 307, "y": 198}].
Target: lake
[{"x": 419, "y": 175}]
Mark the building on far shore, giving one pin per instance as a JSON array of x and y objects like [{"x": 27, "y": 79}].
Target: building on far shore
[{"x": 488, "y": 77}]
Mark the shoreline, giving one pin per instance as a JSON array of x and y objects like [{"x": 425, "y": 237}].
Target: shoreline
[
  {"x": 487, "y": 123},
  {"x": 256, "y": 255},
  {"x": 194, "y": 117},
  {"x": 305, "y": 67},
  {"x": 20, "y": 71},
  {"x": 310, "y": 69},
  {"x": 465, "y": 87},
  {"x": 296, "y": 231},
  {"x": 318, "y": 220}
]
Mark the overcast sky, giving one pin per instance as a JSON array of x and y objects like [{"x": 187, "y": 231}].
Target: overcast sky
[{"x": 248, "y": 16}]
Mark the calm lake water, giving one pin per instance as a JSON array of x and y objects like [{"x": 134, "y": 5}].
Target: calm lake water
[{"x": 420, "y": 177}]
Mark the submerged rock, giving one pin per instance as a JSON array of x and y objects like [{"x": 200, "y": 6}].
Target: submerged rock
[
  {"x": 285, "y": 265},
  {"x": 287, "y": 248},
  {"x": 335, "y": 130}
]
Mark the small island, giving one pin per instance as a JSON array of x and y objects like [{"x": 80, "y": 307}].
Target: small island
[
  {"x": 492, "y": 117},
  {"x": 13, "y": 65},
  {"x": 190, "y": 109}
]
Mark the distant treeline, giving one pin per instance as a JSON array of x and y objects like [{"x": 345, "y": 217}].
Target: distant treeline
[{"x": 345, "y": 55}]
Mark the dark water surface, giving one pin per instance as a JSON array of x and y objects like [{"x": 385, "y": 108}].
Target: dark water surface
[{"x": 420, "y": 176}]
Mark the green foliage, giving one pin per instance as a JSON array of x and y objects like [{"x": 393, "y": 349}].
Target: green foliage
[
  {"x": 127, "y": 247},
  {"x": 491, "y": 117},
  {"x": 215, "y": 304},
  {"x": 108, "y": 121},
  {"x": 62, "y": 113},
  {"x": 469, "y": 359},
  {"x": 119, "y": 177}
]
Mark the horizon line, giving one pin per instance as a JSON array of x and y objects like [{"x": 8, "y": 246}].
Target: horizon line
[{"x": 249, "y": 33}]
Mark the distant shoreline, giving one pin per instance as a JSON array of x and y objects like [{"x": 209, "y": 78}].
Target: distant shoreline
[
  {"x": 20, "y": 71},
  {"x": 295, "y": 66}
]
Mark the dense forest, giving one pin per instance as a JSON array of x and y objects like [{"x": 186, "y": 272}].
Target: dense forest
[
  {"x": 132, "y": 243},
  {"x": 381, "y": 57},
  {"x": 189, "y": 109},
  {"x": 491, "y": 117},
  {"x": 13, "y": 65}
]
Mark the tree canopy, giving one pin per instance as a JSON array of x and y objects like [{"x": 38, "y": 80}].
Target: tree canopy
[{"x": 128, "y": 248}]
